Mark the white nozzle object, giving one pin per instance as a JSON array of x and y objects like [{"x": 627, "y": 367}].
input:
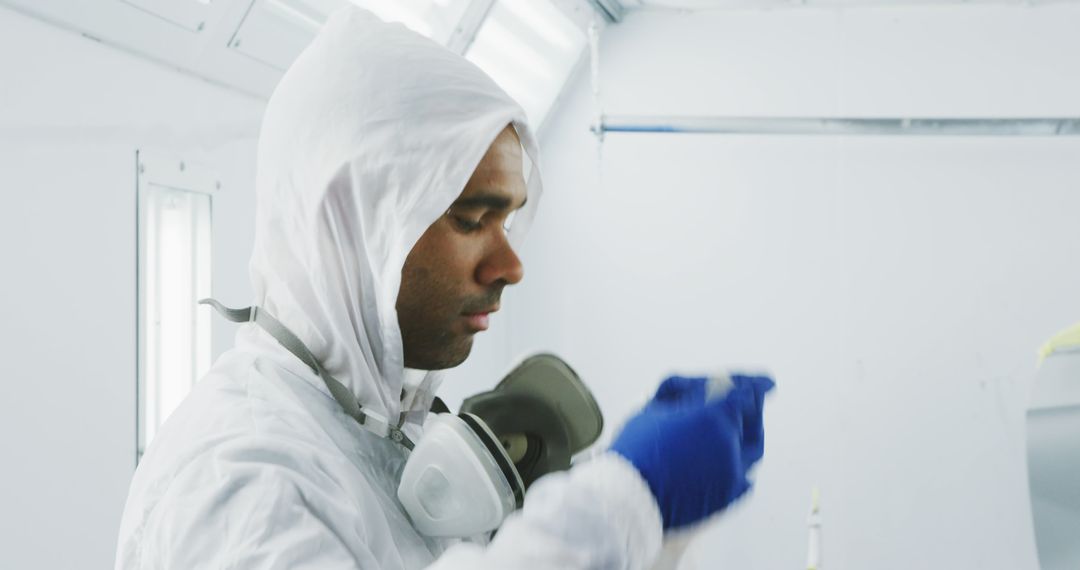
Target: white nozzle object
[
  {"x": 719, "y": 385},
  {"x": 813, "y": 525}
]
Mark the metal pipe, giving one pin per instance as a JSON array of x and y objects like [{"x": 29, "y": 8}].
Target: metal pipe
[{"x": 881, "y": 126}]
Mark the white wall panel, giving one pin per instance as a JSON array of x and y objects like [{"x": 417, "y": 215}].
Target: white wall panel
[
  {"x": 897, "y": 287},
  {"x": 72, "y": 114}
]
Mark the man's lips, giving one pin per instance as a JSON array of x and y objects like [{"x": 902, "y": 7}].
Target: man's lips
[{"x": 479, "y": 320}]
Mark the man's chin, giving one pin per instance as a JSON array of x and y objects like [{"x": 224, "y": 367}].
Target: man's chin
[{"x": 447, "y": 357}]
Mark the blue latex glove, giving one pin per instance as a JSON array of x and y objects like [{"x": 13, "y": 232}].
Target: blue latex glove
[{"x": 694, "y": 452}]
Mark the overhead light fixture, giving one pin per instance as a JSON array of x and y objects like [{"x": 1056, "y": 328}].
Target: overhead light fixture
[
  {"x": 529, "y": 47},
  {"x": 436, "y": 19}
]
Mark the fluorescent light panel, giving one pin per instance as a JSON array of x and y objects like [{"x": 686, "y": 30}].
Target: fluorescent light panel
[
  {"x": 175, "y": 261},
  {"x": 529, "y": 47},
  {"x": 435, "y": 19}
]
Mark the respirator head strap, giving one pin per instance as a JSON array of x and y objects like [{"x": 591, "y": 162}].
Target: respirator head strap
[{"x": 294, "y": 345}]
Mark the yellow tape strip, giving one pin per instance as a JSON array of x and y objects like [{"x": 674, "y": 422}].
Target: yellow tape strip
[{"x": 1069, "y": 337}]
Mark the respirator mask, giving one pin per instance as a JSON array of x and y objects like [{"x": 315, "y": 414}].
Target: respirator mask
[{"x": 469, "y": 471}]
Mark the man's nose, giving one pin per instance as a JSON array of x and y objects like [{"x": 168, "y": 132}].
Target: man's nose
[{"x": 500, "y": 265}]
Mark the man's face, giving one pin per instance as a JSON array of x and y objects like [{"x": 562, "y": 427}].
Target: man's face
[{"x": 455, "y": 274}]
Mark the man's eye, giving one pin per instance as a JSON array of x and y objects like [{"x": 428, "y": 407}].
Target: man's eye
[{"x": 466, "y": 225}]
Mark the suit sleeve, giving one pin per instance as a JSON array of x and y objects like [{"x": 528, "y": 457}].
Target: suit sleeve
[{"x": 597, "y": 515}]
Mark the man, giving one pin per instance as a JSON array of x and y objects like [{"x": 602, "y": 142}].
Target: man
[
  {"x": 391, "y": 193},
  {"x": 467, "y": 248}
]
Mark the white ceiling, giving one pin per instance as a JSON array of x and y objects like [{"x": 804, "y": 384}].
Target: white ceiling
[
  {"x": 771, "y": 4},
  {"x": 192, "y": 36},
  {"x": 246, "y": 45}
]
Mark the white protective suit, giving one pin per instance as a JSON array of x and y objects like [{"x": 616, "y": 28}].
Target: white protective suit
[{"x": 369, "y": 138}]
